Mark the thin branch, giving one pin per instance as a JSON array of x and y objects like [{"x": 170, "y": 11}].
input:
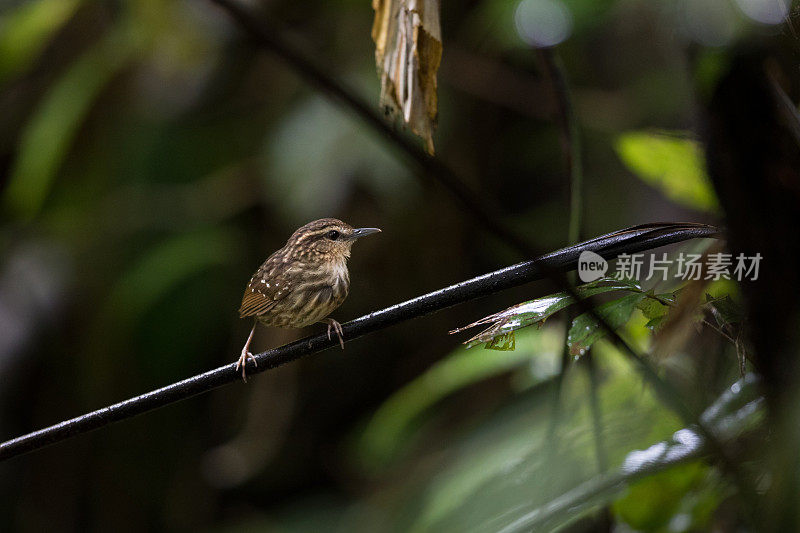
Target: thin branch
[
  {"x": 667, "y": 303},
  {"x": 570, "y": 139},
  {"x": 719, "y": 330},
  {"x": 787, "y": 109},
  {"x": 571, "y": 149},
  {"x": 476, "y": 207},
  {"x": 632, "y": 240}
]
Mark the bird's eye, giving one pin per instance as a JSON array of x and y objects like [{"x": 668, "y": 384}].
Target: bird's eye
[{"x": 332, "y": 235}]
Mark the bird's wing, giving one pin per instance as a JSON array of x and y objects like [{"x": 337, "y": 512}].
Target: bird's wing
[{"x": 265, "y": 289}]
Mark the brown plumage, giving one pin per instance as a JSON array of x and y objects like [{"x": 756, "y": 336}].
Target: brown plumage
[{"x": 303, "y": 282}]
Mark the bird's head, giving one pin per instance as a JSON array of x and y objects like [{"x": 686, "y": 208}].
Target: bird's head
[{"x": 326, "y": 239}]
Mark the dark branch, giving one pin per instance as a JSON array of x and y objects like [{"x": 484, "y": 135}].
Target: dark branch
[
  {"x": 636, "y": 239},
  {"x": 269, "y": 38}
]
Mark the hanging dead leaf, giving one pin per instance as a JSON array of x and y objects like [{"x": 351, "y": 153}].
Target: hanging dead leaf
[{"x": 408, "y": 50}]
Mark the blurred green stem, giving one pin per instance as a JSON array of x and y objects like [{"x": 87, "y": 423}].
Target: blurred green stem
[
  {"x": 570, "y": 139},
  {"x": 597, "y": 413},
  {"x": 571, "y": 148}
]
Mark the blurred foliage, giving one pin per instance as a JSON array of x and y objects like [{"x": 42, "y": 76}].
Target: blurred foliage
[
  {"x": 26, "y": 31},
  {"x": 319, "y": 152},
  {"x": 672, "y": 163},
  {"x": 151, "y": 158},
  {"x": 387, "y": 431},
  {"x": 49, "y": 132}
]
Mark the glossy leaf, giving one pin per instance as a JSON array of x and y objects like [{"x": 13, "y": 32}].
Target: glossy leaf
[
  {"x": 538, "y": 310},
  {"x": 505, "y": 342},
  {"x": 655, "y": 309},
  {"x": 585, "y": 330}
]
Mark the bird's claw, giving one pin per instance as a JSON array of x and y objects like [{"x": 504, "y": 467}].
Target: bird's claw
[
  {"x": 338, "y": 329},
  {"x": 242, "y": 363}
]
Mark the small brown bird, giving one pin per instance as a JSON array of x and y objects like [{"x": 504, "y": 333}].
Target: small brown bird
[{"x": 303, "y": 282}]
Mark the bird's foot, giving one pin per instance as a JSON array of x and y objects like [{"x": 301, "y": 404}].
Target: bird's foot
[
  {"x": 242, "y": 362},
  {"x": 337, "y": 328}
]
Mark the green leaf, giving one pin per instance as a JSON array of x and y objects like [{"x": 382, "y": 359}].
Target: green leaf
[
  {"x": 25, "y": 32},
  {"x": 585, "y": 330},
  {"x": 505, "y": 342},
  {"x": 671, "y": 163},
  {"x": 49, "y": 133},
  {"x": 651, "y": 503},
  {"x": 537, "y": 311},
  {"x": 725, "y": 310},
  {"x": 654, "y": 310}
]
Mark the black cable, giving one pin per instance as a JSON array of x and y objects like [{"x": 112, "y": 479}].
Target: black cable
[{"x": 632, "y": 240}]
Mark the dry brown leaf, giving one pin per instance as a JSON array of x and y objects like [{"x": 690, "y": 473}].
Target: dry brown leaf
[{"x": 408, "y": 50}]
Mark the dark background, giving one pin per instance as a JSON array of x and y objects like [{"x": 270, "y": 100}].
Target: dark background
[{"x": 151, "y": 158}]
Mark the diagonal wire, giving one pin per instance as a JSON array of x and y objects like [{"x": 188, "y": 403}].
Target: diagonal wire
[{"x": 631, "y": 240}]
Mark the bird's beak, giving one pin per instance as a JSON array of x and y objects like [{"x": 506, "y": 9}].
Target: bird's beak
[{"x": 363, "y": 232}]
